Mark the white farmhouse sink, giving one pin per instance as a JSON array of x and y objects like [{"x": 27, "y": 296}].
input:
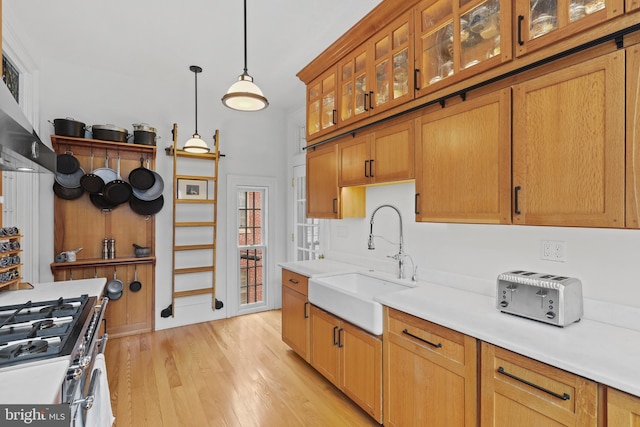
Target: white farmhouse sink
[{"x": 350, "y": 296}]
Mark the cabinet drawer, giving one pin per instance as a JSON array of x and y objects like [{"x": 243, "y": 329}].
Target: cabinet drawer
[
  {"x": 425, "y": 338},
  {"x": 295, "y": 281},
  {"x": 516, "y": 384}
]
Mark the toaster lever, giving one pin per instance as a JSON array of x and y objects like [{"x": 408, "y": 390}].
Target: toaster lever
[{"x": 542, "y": 294}]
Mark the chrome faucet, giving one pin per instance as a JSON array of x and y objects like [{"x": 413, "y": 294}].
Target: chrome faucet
[{"x": 400, "y": 255}]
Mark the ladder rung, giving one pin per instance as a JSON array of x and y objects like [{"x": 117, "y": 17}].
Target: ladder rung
[
  {"x": 204, "y": 201},
  {"x": 196, "y": 224},
  {"x": 197, "y": 177},
  {"x": 179, "y": 294},
  {"x": 188, "y": 270},
  {"x": 193, "y": 247},
  {"x": 206, "y": 156}
]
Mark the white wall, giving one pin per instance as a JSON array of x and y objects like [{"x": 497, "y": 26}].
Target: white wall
[{"x": 471, "y": 256}]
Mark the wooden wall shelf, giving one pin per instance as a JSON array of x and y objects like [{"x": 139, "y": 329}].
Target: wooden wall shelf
[{"x": 98, "y": 143}]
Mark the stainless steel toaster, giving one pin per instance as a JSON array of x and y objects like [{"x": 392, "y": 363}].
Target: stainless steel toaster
[{"x": 544, "y": 297}]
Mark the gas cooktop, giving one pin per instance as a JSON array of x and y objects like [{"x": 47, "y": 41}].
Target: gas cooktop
[{"x": 43, "y": 329}]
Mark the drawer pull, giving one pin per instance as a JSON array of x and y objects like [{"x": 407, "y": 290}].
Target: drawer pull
[
  {"x": 294, "y": 281},
  {"x": 564, "y": 396},
  {"x": 406, "y": 331}
]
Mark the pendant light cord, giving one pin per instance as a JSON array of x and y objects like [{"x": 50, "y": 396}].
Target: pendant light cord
[
  {"x": 196, "y": 131},
  {"x": 196, "y": 69}
]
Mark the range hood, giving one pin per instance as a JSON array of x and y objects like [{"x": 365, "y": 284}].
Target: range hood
[{"x": 21, "y": 150}]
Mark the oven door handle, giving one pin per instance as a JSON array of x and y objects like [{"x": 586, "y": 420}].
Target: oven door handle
[{"x": 87, "y": 401}]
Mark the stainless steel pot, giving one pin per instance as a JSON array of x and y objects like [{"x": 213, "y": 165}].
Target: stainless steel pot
[
  {"x": 114, "y": 288},
  {"x": 109, "y": 133}
]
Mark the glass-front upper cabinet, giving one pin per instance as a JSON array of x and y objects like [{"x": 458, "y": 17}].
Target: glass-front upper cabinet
[
  {"x": 457, "y": 39},
  {"x": 392, "y": 52},
  {"x": 321, "y": 104},
  {"x": 377, "y": 75},
  {"x": 543, "y": 22},
  {"x": 354, "y": 87}
]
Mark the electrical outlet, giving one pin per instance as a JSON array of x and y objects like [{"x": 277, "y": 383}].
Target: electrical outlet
[{"x": 553, "y": 250}]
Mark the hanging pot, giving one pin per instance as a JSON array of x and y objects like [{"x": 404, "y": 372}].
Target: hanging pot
[
  {"x": 101, "y": 203},
  {"x": 135, "y": 286},
  {"x": 117, "y": 191},
  {"x": 152, "y": 193},
  {"x": 67, "y": 163},
  {"x": 90, "y": 182},
  {"x": 142, "y": 207},
  {"x": 106, "y": 173},
  {"x": 67, "y": 193},
  {"x": 71, "y": 180},
  {"x": 109, "y": 133},
  {"x": 68, "y": 127},
  {"x": 142, "y": 178},
  {"x": 114, "y": 288}
]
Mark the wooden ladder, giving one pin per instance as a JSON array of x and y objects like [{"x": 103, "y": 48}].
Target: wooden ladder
[{"x": 193, "y": 191}]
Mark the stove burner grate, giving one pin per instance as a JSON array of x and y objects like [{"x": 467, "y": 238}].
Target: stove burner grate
[{"x": 21, "y": 350}]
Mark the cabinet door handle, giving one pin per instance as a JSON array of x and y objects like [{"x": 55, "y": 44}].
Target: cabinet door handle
[
  {"x": 371, "y": 99},
  {"x": 366, "y": 107},
  {"x": 416, "y": 79},
  {"x": 516, "y": 208},
  {"x": 306, "y": 314},
  {"x": 564, "y": 396},
  {"x": 335, "y": 338},
  {"x": 366, "y": 170},
  {"x": 335, "y": 206},
  {"x": 333, "y": 116},
  {"x": 520, "y": 19},
  {"x": 371, "y": 168},
  {"x": 415, "y": 204},
  {"x": 340, "y": 345},
  {"x": 406, "y": 331},
  {"x": 294, "y": 281}
]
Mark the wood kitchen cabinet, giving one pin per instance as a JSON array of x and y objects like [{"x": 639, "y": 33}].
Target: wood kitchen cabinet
[
  {"x": 516, "y": 390},
  {"x": 457, "y": 39},
  {"x": 385, "y": 154},
  {"x": 430, "y": 374},
  {"x": 623, "y": 410},
  {"x": 544, "y": 22},
  {"x": 350, "y": 358},
  {"x": 633, "y": 137},
  {"x": 80, "y": 224},
  {"x": 295, "y": 313},
  {"x": 324, "y": 198},
  {"x": 569, "y": 145},
  {"x": 378, "y": 75},
  {"x": 631, "y": 5},
  {"x": 322, "y": 113},
  {"x": 463, "y": 161}
]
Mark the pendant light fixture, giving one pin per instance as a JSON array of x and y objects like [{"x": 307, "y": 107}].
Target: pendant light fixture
[
  {"x": 245, "y": 95},
  {"x": 196, "y": 144}
]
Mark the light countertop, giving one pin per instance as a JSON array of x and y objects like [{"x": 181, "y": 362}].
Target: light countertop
[
  {"x": 39, "y": 382},
  {"x": 595, "y": 349}
]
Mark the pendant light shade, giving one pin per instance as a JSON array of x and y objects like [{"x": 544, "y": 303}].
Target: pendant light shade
[
  {"x": 196, "y": 144},
  {"x": 245, "y": 95}
]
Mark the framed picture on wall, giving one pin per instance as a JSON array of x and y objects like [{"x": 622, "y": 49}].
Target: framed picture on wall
[{"x": 193, "y": 189}]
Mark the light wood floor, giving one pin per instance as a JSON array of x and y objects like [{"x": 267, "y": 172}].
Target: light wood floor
[{"x": 231, "y": 372}]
